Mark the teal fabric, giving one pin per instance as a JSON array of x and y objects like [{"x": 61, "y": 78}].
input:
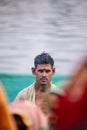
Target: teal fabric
[
  {"x": 13, "y": 83},
  {"x": 46, "y": 128}
]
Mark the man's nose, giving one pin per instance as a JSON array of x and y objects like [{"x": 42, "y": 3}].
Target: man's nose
[{"x": 44, "y": 73}]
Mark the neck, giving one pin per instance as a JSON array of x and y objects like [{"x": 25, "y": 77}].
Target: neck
[{"x": 42, "y": 87}]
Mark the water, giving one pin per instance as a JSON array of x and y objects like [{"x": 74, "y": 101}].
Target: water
[{"x": 29, "y": 27}]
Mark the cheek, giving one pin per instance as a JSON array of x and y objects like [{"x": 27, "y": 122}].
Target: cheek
[
  {"x": 38, "y": 76},
  {"x": 50, "y": 74}
]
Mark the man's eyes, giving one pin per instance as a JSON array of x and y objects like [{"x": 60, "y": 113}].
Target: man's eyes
[
  {"x": 47, "y": 71},
  {"x": 41, "y": 71}
]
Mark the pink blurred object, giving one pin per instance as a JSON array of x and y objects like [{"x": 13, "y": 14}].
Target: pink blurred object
[{"x": 30, "y": 113}]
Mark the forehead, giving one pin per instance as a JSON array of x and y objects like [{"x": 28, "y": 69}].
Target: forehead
[{"x": 44, "y": 66}]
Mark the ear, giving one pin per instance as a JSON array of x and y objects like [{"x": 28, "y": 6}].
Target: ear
[
  {"x": 33, "y": 70},
  {"x": 53, "y": 70}
]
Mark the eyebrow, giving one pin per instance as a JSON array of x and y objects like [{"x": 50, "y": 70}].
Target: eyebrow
[{"x": 42, "y": 70}]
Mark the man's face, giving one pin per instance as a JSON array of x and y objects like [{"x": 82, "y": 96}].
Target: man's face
[
  {"x": 53, "y": 111},
  {"x": 44, "y": 73}
]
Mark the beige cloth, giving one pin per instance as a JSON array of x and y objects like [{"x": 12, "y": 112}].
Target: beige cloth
[{"x": 28, "y": 93}]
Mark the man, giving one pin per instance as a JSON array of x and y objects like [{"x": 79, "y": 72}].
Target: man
[{"x": 43, "y": 70}]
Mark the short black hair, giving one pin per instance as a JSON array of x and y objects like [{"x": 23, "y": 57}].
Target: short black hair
[{"x": 43, "y": 58}]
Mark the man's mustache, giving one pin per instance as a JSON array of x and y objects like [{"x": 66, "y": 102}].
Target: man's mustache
[{"x": 43, "y": 78}]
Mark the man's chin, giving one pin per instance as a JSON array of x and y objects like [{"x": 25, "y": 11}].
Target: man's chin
[{"x": 43, "y": 87}]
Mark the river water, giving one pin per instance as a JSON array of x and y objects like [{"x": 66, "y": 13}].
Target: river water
[{"x": 29, "y": 27}]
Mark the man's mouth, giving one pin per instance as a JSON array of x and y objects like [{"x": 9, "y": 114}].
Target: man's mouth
[{"x": 43, "y": 79}]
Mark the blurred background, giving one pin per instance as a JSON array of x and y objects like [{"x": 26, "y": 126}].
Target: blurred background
[{"x": 29, "y": 27}]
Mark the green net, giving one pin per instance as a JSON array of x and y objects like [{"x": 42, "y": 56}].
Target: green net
[{"x": 13, "y": 83}]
